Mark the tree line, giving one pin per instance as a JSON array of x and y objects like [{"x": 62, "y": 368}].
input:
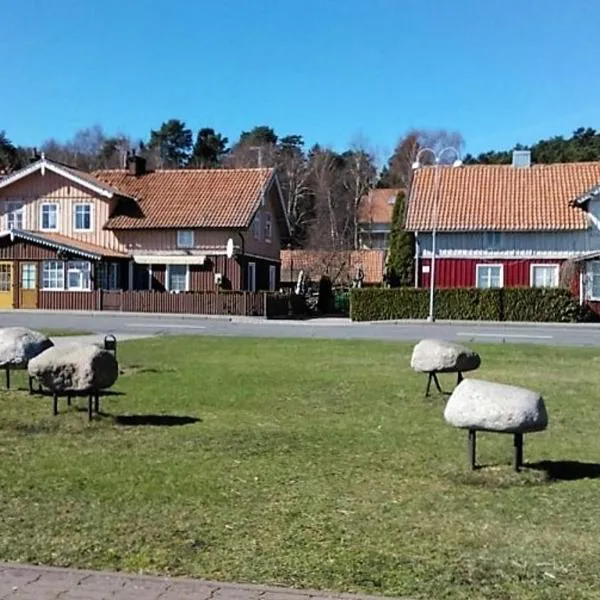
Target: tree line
[{"x": 322, "y": 189}]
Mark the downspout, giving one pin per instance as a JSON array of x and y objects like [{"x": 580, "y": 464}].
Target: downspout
[
  {"x": 581, "y": 290},
  {"x": 243, "y": 246},
  {"x": 417, "y": 252}
]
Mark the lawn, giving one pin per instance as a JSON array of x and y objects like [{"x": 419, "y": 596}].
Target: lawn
[{"x": 310, "y": 464}]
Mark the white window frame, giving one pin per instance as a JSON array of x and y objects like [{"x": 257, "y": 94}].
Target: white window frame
[
  {"x": 168, "y": 278},
  {"x": 71, "y": 269},
  {"x": 268, "y": 227},
  {"x": 487, "y": 266},
  {"x": 251, "y": 281},
  {"x": 11, "y": 210},
  {"x": 256, "y": 225},
  {"x": 589, "y": 277},
  {"x": 181, "y": 244},
  {"x": 25, "y": 268},
  {"x": 62, "y": 272},
  {"x": 91, "y": 209},
  {"x": 272, "y": 278},
  {"x": 552, "y": 266},
  {"x": 56, "y": 206}
]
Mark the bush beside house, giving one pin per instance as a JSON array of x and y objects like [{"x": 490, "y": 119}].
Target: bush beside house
[{"x": 505, "y": 304}]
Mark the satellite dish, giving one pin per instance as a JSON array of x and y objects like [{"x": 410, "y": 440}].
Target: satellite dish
[{"x": 229, "y": 248}]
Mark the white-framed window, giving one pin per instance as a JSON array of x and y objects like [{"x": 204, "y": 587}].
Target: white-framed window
[
  {"x": 78, "y": 275},
  {"x": 544, "y": 276},
  {"x": 53, "y": 275},
  {"x": 185, "y": 238},
  {"x": 82, "y": 216},
  {"x": 251, "y": 277},
  {"x": 593, "y": 280},
  {"x": 272, "y": 277},
  {"x": 15, "y": 215},
  {"x": 490, "y": 276},
  {"x": 49, "y": 216},
  {"x": 28, "y": 276},
  {"x": 178, "y": 278},
  {"x": 256, "y": 226},
  {"x": 268, "y": 227},
  {"x": 492, "y": 240},
  {"x": 108, "y": 276}
]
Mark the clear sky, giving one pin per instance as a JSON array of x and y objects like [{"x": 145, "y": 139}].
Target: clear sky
[{"x": 330, "y": 70}]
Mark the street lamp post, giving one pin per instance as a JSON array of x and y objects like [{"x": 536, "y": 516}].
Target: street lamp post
[{"x": 437, "y": 156}]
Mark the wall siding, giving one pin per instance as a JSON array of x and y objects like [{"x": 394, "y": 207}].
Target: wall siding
[
  {"x": 557, "y": 244},
  {"x": 453, "y": 273},
  {"x": 36, "y": 189}
]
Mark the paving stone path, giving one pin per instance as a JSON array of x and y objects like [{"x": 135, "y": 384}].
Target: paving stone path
[{"x": 24, "y": 582}]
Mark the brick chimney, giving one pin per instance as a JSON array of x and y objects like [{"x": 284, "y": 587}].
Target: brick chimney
[{"x": 136, "y": 165}]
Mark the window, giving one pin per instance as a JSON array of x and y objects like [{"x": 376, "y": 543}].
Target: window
[
  {"x": 492, "y": 240},
  {"x": 185, "y": 239},
  {"x": 593, "y": 276},
  {"x": 82, "y": 217},
  {"x": 272, "y": 277},
  {"x": 78, "y": 275},
  {"x": 28, "y": 276},
  {"x": 53, "y": 275},
  {"x": 49, "y": 216},
  {"x": 108, "y": 276},
  {"x": 545, "y": 276},
  {"x": 14, "y": 215},
  {"x": 177, "y": 278},
  {"x": 251, "y": 277},
  {"x": 490, "y": 276},
  {"x": 256, "y": 227},
  {"x": 268, "y": 227}
]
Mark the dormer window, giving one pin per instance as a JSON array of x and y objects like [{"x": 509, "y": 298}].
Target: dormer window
[
  {"x": 185, "y": 238},
  {"x": 15, "y": 215}
]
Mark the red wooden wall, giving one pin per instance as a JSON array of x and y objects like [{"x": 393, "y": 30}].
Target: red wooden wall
[{"x": 461, "y": 272}]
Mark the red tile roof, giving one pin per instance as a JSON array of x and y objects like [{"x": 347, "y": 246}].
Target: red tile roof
[
  {"x": 341, "y": 266},
  {"x": 377, "y": 206},
  {"x": 502, "y": 197},
  {"x": 207, "y": 198}
]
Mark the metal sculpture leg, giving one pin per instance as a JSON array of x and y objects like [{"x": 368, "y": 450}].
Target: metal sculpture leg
[
  {"x": 90, "y": 400},
  {"x": 472, "y": 449},
  {"x": 30, "y": 385},
  {"x": 432, "y": 376},
  {"x": 97, "y": 402},
  {"x": 7, "y": 378},
  {"x": 518, "y": 454},
  {"x": 55, "y": 404},
  {"x": 69, "y": 399},
  {"x": 459, "y": 377}
]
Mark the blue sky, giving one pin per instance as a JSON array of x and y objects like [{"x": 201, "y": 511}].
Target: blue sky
[{"x": 330, "y": 70}]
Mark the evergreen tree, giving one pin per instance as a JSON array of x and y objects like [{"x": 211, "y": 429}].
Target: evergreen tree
[{"x": 400, "y": 265}]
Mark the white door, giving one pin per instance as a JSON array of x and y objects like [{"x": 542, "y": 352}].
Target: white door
[{"x": 251, "y": 277}]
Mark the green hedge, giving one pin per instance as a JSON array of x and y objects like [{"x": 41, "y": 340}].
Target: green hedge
[{"x": 507, "y": 304}]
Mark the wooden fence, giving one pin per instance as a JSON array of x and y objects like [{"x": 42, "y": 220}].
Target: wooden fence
[{"x": 247, "y": 304}]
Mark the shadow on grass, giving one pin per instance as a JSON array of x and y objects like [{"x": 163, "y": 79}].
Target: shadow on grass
[
  {"x": 154, "y": 420},
  {"x": 567, "y": 470}
]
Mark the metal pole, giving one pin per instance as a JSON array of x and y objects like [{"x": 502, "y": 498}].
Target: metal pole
[{"x": 431, "y": 317}]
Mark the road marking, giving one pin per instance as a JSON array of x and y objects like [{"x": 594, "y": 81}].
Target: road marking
[
  {"x": 165, "y": 326},
  {"x": 506, "y": 335}
]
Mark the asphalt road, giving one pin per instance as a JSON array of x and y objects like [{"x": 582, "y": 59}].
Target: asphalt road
[{"x": 132, "y": 325}]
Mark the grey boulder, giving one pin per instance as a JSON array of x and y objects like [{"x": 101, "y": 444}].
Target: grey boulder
[
  {"x": 488, "y": 406},
  {"x": 75, "y": 368},
  {"x": 430, "y": 356},
  {"x": 18, "y": 345}
]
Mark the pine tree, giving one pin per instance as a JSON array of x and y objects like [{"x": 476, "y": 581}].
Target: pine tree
[{"x": 401, "y": 254}]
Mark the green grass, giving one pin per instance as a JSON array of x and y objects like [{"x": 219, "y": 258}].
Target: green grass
[
  {"x": 65, "y": 332},
  {"x": 313, "y": 464}
]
